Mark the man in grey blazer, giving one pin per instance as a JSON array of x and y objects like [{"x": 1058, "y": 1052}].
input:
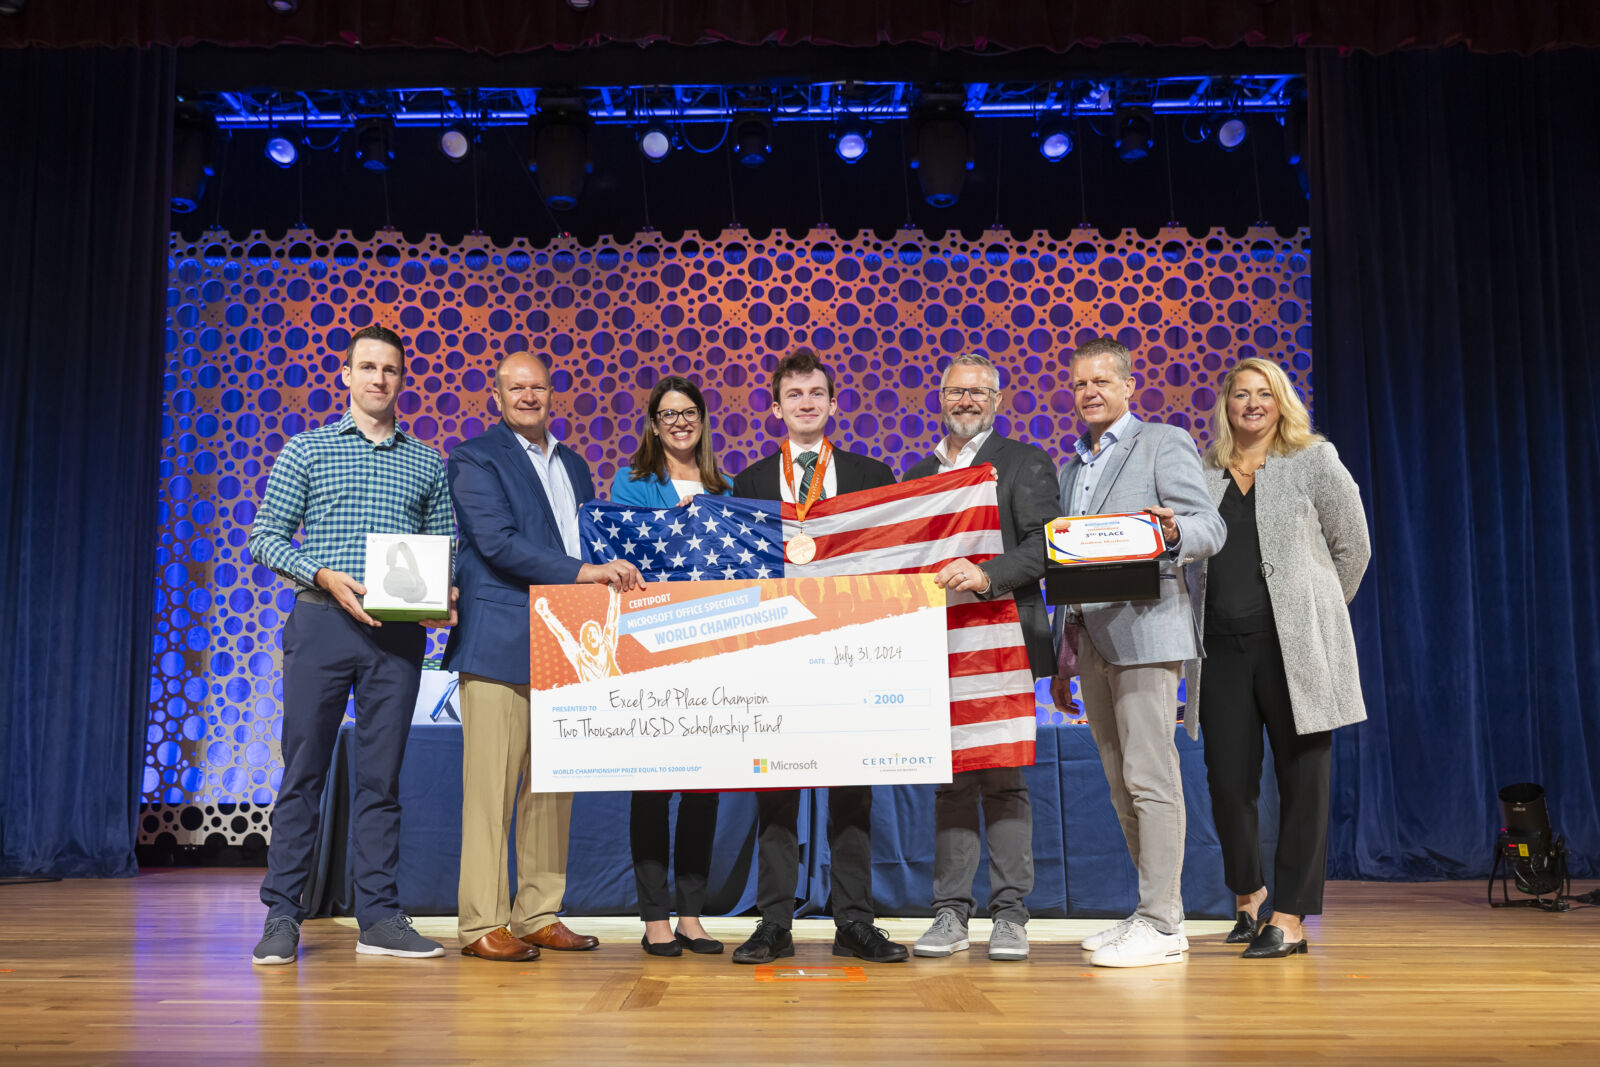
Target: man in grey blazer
[
  {"x": 969, "y": 395},
  {"x": 1128, "y": 655}
]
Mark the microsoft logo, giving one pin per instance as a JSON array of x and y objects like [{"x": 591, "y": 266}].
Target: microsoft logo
[{"x": 758, "y": 766}]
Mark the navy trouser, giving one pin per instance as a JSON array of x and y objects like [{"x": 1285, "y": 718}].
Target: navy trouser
[{"x": 325, "y": 653}]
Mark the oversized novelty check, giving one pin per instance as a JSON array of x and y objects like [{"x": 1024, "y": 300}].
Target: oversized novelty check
[{"x": 740, "y": 684}]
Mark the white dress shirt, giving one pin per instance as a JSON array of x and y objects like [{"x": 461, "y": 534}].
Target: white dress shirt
[
  {"x": 830, "y": 477},
  {"x": 558, "y": 490},
  {"x": 964, "y": 458}
]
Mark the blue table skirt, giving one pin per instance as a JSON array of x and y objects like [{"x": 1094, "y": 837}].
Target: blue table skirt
[{"x": 1080, "y": 861}]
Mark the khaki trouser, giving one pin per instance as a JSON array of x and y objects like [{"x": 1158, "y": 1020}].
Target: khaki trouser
[{"x": 494, "y": 763}]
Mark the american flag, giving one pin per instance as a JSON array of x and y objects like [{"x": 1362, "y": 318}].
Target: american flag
[{"x": 910, "y": 528}]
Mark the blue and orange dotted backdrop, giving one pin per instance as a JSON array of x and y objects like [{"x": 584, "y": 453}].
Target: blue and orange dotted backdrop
[{"x": 257, "y": 327}]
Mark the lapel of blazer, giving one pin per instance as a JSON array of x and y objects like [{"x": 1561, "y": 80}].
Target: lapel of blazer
[
  {"x": 1108, "y": 477},
  {"x": 516, "y": 454},
  {"x": 991, "y": 448},
  {"x": 1216, "y": 483},
  {"x": 844, "y": 465}
]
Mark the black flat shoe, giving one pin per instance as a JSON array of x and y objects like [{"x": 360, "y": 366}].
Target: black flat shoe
[
  {"x": 1244, "y": 929},
  {"x": 661, "y": 948},
  {"x": 703, "y": 946},
  {"x": 1270, "y": 945}
]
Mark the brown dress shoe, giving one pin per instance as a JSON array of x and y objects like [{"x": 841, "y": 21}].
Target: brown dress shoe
[
  {"x": 498, "y": 944},
  {"x": 558, "y": 937}
]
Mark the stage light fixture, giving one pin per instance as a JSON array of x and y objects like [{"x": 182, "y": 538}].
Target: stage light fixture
[
  {"x": 561, "y": 150},
  {"x": 1133, "y": 133},
  {"x": 12, "y": 7},
  {"x": 1534, "y": 855},
  {"x": 1232, "y": 133},
  {"x": 284, "y": 7},
  {"x": 281, "y": 150},
  {"x": 374, "y": 143},
  {"x": 193, "y": 146},
  {"x": 455, "y": 142},
  {"x": 850, "y": 145},
  {"x": 943, "y": 152},
  {"x": 655, "y": 142},
  {"x": 752, "y": 140},
  {"x": 1055, "y": 141},
  {"x": 580, "y": 5}
]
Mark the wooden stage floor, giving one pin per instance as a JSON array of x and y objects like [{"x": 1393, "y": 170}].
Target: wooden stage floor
[{"x": 156, "y": 969}]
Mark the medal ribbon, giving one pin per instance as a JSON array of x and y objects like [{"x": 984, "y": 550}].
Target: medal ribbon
[{"x": 815, "y": 492}]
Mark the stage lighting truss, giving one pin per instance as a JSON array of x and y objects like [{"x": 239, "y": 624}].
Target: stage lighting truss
[{"x": 833, "y": 105}]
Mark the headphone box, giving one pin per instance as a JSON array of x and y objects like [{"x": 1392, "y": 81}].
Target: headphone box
[
  {"x": 1092, "y": 559},
  {"x": 407, "y": 577}
]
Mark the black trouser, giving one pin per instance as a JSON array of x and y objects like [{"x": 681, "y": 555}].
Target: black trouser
[
  {"x": 690, "y": 849},
  {"x": 849, "y": 842},
  {"x": 1243, "y": 690},
  {"x": 325, "y": 654}
]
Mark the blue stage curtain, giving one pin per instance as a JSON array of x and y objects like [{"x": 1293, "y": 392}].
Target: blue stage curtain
[
  {"x": 83, "y": 233},
  {"x": 1457, "y": 325}
]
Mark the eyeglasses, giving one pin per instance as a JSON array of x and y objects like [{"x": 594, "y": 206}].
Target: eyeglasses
[
  {"x": 980, "y": 395},
  {"x": 688, "y": 416}
]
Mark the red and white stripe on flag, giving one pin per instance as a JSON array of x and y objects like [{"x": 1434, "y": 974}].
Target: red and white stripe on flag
[{"x": 917, "y": 527}]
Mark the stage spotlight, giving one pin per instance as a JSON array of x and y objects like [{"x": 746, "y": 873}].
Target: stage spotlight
[
  {"x": 1133, "y": 135},
  {"x": 580, "y": 5},
  {"x": 1534, "y": 855},
  {"x": 656, "y": 143},
  {"x": 374, "y": 143},
  {"x": 193, "y": 144},
  {"x": 943, "y": 155},
  {"x": 850, "y": 145},
  {"x": 752, "y": 141},
  {"x": 1055, "y": 142},
  {"x": 561, "y": 150},
  {"x": 12, "y": 7},
  {"x": 1232, "y": 133},
  {"x": 284, "y": 7},
  {"x": 281, "y": 150},
  {"x": 455, "y": 142}
]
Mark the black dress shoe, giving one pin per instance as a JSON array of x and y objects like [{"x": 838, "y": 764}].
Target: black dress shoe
[
  {"x": 704, "y": 946},
  {"x": 866, "y": 942},
  {"x": 1270, "y": 945},
  {"x": 769, "y": 942},
  {"x": 661, "y": 948},
  {"x": 1244, "y": 929}
]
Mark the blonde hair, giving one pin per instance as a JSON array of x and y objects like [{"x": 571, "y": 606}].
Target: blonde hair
[{"x": 1294, "y": 421}]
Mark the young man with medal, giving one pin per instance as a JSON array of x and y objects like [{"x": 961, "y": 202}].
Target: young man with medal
[{"x": 807, "y": 469}]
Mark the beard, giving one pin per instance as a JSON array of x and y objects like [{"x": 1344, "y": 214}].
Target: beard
[{"x": 969, "y": 426}]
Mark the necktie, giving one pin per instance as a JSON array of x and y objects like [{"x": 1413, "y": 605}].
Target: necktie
[{"x": 808, "y": 462}]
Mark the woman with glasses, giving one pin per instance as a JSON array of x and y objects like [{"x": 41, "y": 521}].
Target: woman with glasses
[{"x": 672, "y": 464}]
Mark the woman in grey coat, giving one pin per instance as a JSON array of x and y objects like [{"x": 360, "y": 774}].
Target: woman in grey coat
[{"x": 1280, "y": 655}]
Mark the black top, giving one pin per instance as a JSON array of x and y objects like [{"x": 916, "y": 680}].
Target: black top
[{"x": 1236, "y": 591}]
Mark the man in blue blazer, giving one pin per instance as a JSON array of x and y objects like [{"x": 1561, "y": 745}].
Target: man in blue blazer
[
  {"x": 1128, "y": 654},
  {"x": 516, "y": 491}
]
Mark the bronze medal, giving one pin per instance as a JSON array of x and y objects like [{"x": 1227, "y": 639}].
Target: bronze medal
[{"x": 801, "y": 549}]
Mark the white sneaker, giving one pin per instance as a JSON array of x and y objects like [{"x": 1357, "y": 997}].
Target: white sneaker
[
  {"x": 1111, "y": 933},
  {"x": 1141, "y": 945},
  {"x": 1106, "y": 936}
]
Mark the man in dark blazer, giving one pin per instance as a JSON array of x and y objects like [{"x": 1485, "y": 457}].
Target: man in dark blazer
[
  {"x": 970, "y": 397},
  {"x": 806, "y": 468},
  {"x": 516, "y": 491}
]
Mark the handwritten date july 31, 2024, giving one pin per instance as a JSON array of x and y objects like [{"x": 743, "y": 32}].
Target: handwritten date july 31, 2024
[{"x": 853, "y": 655}]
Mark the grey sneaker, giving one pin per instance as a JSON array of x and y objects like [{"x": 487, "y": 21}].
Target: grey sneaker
[
  {"x": 946, "y": 937},
  {"x": 396, "y": 937},
  {"x": 280, "y": 942},
  {"x": 1009, "y": 941}
]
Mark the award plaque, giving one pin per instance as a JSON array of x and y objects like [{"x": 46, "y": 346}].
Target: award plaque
[
  {"x": 1101, "y": 558},
  {"x": 407, "y": 577}
]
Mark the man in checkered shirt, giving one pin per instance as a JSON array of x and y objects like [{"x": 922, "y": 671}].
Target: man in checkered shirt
[{"x": 362, "y": 474}]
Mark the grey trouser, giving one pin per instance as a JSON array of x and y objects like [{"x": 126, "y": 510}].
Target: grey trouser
[
  {"x": 1008, "y": 820},
  {"x": 1132, "y": 714}
]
